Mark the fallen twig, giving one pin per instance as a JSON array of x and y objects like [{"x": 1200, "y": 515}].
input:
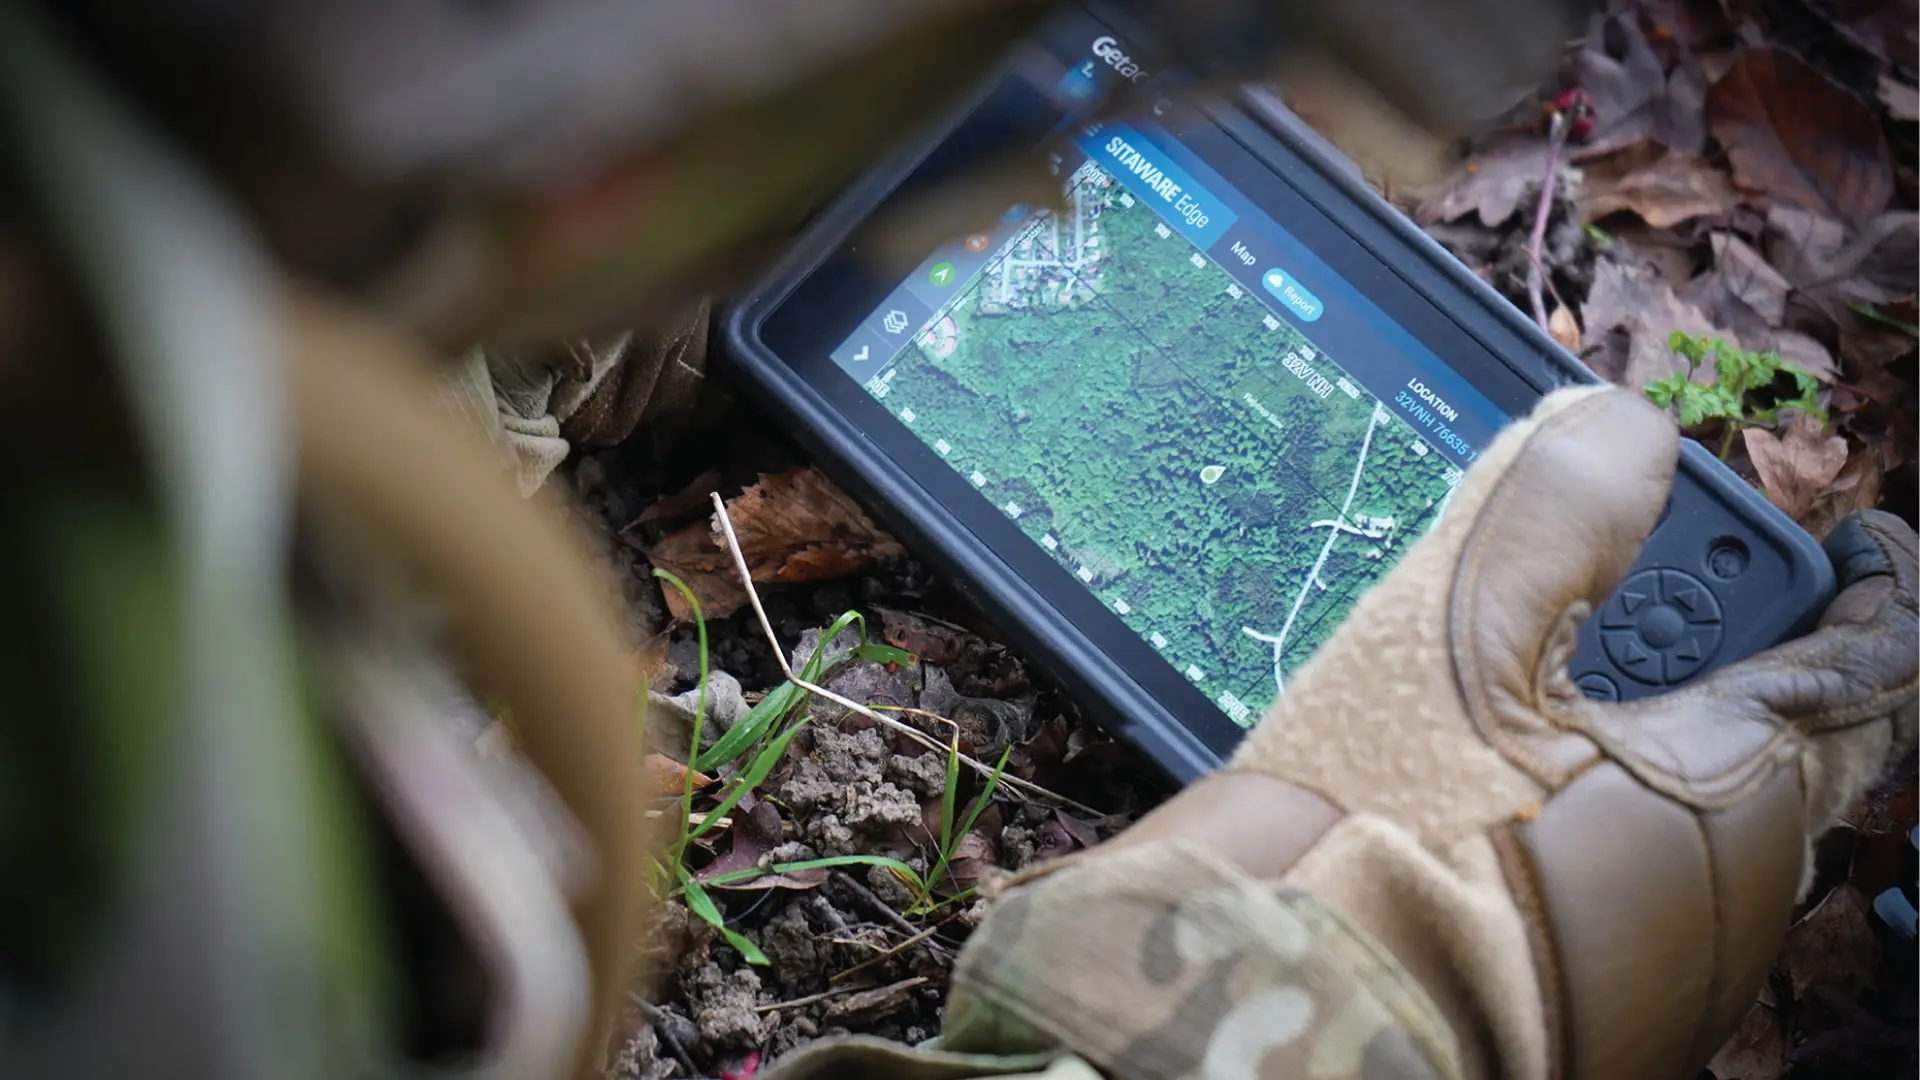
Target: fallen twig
[
  {"x": 878, "y": 906},
  {"x": 895, "y": 950},
  {"x": 914, "y": 733},
  {"x": 1556, "y": 142},
  {"x": 839, "y": 991}
]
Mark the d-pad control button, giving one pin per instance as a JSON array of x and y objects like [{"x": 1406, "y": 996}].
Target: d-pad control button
[{"x": 1661, "y": 626}]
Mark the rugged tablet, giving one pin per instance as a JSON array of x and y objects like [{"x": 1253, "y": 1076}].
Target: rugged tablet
[{"x": 1169, "y": 434}]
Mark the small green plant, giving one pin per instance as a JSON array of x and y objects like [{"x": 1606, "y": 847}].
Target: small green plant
[
  {"x": 761, "y": 738},
  {"x": 952, "y": 831},
  {"x": 1739, "y": 400}
]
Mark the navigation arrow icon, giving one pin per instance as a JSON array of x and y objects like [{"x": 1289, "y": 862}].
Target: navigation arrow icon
[{"x": 863, "y": 353}]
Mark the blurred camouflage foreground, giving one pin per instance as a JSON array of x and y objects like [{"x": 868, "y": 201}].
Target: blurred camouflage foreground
[{"x": 258, "y": 577}]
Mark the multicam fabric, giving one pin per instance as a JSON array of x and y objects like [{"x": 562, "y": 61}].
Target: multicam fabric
[{"x": 1163, "y": 962}]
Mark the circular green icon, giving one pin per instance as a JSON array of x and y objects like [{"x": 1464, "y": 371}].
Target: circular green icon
[
  {"x": 941, "y": 275},
  {"x": 1212, "y": 473}
]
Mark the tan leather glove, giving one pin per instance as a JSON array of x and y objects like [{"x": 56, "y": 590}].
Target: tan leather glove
[{"x": 1586, "y": 890}]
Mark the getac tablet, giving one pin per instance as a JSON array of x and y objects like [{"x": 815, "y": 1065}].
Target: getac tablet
[{"x": 1167, "y": 434}]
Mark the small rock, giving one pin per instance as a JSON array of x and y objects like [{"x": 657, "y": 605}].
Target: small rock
[
  {"x": 872, "y": 684},
  {"x": 826, "y": 833},
  {"x": 849, "y": 758},
  {"x": 643, "y": 1058},
  {"x": 1016, "y": 846},
  {"x": 725, "y": 702},
  {"x": 874, "y": 807},
  {"x": 924, "y": 773},
  {"x": 789, "y": 852},
  {"x": 837, "y": 650},
  {"x": 887, "y": 886},
  {"x": 792, "y": 948},
  {"x": 810, "y": 788},
  {"x": 723, "y": 1006},
  {"x": 937, "y": 694}
]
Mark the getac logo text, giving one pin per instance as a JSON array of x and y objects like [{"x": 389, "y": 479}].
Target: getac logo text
[{"x": 1108, "y": 50}]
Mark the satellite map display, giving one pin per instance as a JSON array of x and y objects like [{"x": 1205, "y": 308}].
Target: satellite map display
[{"x": 1222, "y": 485}]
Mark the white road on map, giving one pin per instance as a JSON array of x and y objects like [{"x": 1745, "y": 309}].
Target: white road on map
[{"x": 1279, "y": 640}]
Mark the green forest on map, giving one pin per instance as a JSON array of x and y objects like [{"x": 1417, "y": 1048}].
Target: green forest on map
[{"x": 1215, "y": 480}]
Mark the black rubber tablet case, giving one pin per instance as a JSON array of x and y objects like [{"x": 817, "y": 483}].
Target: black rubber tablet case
[{"x": 1723, "y": 576}]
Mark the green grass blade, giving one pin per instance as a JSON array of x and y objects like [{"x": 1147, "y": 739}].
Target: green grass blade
[
  {"x": 901, "y": 869},
  {"x": 948, "y": 796},
  {"x": 818, "y": 661},
  {"x": 950, "y": 837},
  {"x": 699, "y": 712},
  {"x": 986, "y": 793},
  {"x": 760, "y": 719},
  {"x": 772, "y": 709},
  {"x": 702, "y": 905},
  {"x": 883, "y": 654},
  {"x": 754, "y": 775}
]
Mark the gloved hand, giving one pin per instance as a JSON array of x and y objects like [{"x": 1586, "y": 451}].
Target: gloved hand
[{"x": 1585, "y": 890}]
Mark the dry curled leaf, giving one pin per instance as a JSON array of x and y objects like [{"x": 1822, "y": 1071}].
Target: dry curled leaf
[
  {"x": 756, "y": 831},
  {"x": 1665, "y": 193},
  {"x": 1873, "y": 264},
  {"x": 1634, "y": 97},
  {"x": 792, "y": 526},
  {"x": 1631, "y": 304},
  {"x": 696, "y": 557},
  {"x": 798, "y": 526},
  {"x": 932, "y": 640},
  {"x": 666, "y": 776},
  {"x": 1797, "y": 136},
  {"x": 1750, "y": 277},
  {"x": 1856, "y": 488},
  {"x": 1798, "y": 468}
]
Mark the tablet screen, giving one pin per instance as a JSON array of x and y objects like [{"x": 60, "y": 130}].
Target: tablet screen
[{"x": 1173, "y": 397}]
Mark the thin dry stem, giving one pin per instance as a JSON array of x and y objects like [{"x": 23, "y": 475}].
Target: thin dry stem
[
  {"x": 911, "y": 732},
  {"x": 1556, "y": 142}
]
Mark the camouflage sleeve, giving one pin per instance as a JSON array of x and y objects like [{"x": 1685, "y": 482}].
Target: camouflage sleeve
[{"x": 1162, "y": 962}]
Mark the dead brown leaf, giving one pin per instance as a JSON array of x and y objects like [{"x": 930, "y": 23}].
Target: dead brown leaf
[
  {"x": 932, "y": 640},
  {"x": 1565, "y": 329},
  {"x": 793, "y": 526},
  {"x": 1757, "y": 1050},
  {"x": 757, "y": 830},
  {"x": 1665, "y": 193},
  {"x": 1645, "y": 312},
  {"x": 1800, "y": 138},
  {"x": 798, "y": 526},
  {"x": 1806, "y": 354},
  {"x": 1856, "y": 488},
  {"x": 1797, "y": 469},
  {"x": 694, "y": 556},
  {"x": 666, "y": 776},
  {"x": 1874, "y": 264},
  {"x": 1491, "y": 182},
  {"x": 1633, "y": 95},
  {"x": 1750, "y": 277},
  {"x": 1833, "y": 948},
  {"x": 1902, "y": 99},
  {"x": 689, "y": 501}
]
